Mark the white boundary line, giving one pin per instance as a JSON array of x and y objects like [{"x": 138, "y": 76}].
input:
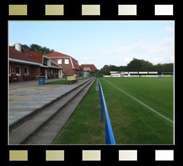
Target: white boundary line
[{"x": 163, "y": 116}]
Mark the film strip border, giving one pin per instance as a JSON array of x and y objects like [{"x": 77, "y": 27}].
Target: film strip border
[
  {"x": 90, "y": 10},
  {"x": 90, "y": 155},
  {"x": 99, "y": 154}
]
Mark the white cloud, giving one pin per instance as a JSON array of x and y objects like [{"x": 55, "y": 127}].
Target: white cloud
[
  {"x": 169, "y": 29},
  {"x": 166, "y": 44},
  {"x": 156, "y": 60},
  {"x": 127, "y": 59},
  {"x": 160, "y": 52},
  {"x": 142, "y": 48}
]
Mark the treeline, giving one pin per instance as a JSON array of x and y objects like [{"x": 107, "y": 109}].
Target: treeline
[
  {"x": 36, "y": 48},
  {"x": 138, "y": 65}
]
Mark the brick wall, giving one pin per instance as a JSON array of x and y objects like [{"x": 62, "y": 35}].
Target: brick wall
[
  {"x": 33, "y": 71},
  {"x": 66, "y": 68}
]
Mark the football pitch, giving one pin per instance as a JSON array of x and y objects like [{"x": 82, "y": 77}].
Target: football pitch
[{"x": 140, "y": 109}]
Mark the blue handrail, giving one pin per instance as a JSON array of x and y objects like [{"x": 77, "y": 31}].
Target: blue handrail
[{"x": 109, "y": 135}]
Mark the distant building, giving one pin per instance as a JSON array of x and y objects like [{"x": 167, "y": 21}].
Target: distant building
[
  {"x": 69, "y": 65},
  {"x": 88, "y": 67}
]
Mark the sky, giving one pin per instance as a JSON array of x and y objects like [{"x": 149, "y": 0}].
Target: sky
[{"x": 100, "y": 42}]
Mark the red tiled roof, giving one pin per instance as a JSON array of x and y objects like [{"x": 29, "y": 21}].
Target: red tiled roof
[
  {"x": 54, "y": 64},
  {"x": 75, "y": 64},
  {"x": 38, "y": 57},
  {"x": 13, "y": 53},
  {"x": 58, "y": 54},
  {"x": 55, "y": 54},
  {"x": 91, "y": 66}
]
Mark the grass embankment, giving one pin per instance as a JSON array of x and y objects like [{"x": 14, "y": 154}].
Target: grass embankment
[{"x": 84, "y": 126}]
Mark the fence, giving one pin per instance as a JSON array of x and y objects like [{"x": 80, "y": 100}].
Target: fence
[{"x": 109, "y": 136}]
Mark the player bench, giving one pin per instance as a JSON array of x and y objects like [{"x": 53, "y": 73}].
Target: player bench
[{"x": 71, "y": 79}]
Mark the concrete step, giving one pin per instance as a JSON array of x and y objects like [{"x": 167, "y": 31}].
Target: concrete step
[
  {"x": 49, "y": 133},
  {"x": 25, "y": 132},
  {"x": 30, "y": 114}
]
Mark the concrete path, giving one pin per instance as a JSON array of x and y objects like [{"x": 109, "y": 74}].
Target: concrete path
[
  {"x": 49, "y": 133},
  {"x": 15, "y": 85},
  {"x": 21, "y": 108},
  {"x": 44, "y": 127}
]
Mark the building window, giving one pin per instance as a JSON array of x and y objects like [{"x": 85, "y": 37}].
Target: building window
[
  {"x": 45, "y": 62},
  {"x": 66, "y": 61},
  {"x": 59, "y": 61},
  {"x": 10, "y": 70},
  {"x": 26, "y": 71},
  {"x": 18, "y": 70}
]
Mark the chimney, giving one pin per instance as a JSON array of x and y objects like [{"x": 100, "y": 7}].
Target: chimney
[{"x": 18, "y": 47}]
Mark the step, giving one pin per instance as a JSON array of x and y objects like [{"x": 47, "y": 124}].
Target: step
[
  {"x": 27, "y": 130},
  {"x": 49, "y": 133},
  {"x": 28, "y": 115}
]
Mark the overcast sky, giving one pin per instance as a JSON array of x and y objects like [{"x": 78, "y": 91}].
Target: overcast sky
[{"x": 100, "y": 42}]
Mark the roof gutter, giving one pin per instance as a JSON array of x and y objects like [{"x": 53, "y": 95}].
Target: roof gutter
[
  {"x": 22, "y": 61},
  {"x": 32, "y": 63},
  {"x": 71, "y": 63}
]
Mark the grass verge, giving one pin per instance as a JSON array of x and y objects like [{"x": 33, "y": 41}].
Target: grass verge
[
  {"x": 57, "y": 82},
  {"x": 84, "y": 125},
  {"x": 61, "y": 81}
]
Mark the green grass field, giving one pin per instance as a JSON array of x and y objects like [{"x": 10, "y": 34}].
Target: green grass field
[
  {"x": 132, "y": 122},
  {"x": 57, "y": 82},
  {"x": 60, "y": 81}
]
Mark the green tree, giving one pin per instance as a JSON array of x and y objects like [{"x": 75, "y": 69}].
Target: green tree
[
  {"x": 139, "y": 65},
  {"x": 25, "y": 47},
  {"x": 105, "y": 70},
  {"x": 167, "y": 67},
  {"x": 35, "y": 48}
]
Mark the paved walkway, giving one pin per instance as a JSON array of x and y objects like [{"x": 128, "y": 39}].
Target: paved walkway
[
  {"x": 20, "y": 108},
  {"x": 15, "y": 85}
]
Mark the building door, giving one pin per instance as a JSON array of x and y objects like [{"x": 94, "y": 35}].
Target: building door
[
  {"x": 60, "y": 74},
  {"x": 46, "y": 76},
  {"x": 48, "y": 73}
]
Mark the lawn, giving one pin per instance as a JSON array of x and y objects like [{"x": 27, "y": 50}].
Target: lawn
[
  {"x": 132, "y": 122},
  {"x": 57, "y": 82},
  {"x": 61, "y": 81}
]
